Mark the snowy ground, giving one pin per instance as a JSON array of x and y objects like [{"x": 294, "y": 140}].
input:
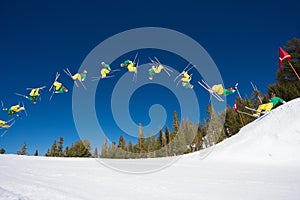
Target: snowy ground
[{"x": 260, "y": 162}]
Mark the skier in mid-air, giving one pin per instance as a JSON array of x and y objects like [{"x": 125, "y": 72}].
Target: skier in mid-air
[
  {"x": 77, "y": 77},
  {"x": 128, "y": 64},
  {"x": 57, "y": 87},
  {"x": 33, "y": 95},
  {"x": 186, "y": 78},
  {"x": 219, "y": 89},
  {"x": 14, "y": 110},
  {"x": 156, "y": 68}
]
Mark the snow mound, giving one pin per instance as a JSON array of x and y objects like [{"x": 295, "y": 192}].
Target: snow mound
[{"x": 274, "y": 137}]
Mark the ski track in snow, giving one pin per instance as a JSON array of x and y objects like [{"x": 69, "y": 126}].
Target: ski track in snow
[{"x": 260, "y": 162}]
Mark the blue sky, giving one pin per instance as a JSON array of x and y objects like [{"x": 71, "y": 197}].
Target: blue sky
[{"x": 39, "y": 38}]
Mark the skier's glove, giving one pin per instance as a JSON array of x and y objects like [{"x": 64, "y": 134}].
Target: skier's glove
[{"x": 284, "y": 102}]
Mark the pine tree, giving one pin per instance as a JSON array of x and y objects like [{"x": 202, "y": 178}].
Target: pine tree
[
  {"x": 168, "y": 146},
  {"x": 53, "y": 151},
  {"x": 149, "y": 146},
  {"x": 179, "y": 143},
  {"x": 221, "y": 117},
  {"x": 71, "y": 151},
  {"x": 153, "y": 145},
  {"x": 23, "y": 149},
  {"x": 80, "y": 149},
  {"x": 212, "y": 125},
  {"x": 36, "y": 153},
  {"x": 190, "y": 131},
  {"x": 111, "y": 152},
  {"x": 60, "y": 147},
  {"x": 244, "y": 120},
  {"x": 2, "y": 151},
  {"x": 95, "y": 155},
  {"x": 122, "y": 143},
  {"x": 198, "y": 141},
  {"x": 86, "y": 148},
  {"x": 104, "y": 149},
  {"x": 174, "y": 131},
  {"x": 48, "y": 153},
  {"x": 165, "y": 147},
  {"x": 175, "y": 125},
  {"x": 121, "y": 151},
  {"x": 66, "y": 152},
  {"x": 256, "y": 98},
  {"x": 160, "y": 143},
  {"x": 130, "y": 150},
  {"x": 167, "y": 133},
  {"x": 293, "y": 48},
  {"x": 141, "y": 140},
  {"x": 233, "y": 122}
]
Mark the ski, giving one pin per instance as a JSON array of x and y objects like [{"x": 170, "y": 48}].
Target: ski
[
  {"x": 248, "y": 114},
  {"x": 136, "y": 55},
  {"x": 22, "y": 95},
  {"x": 51, "y": 96},
  {"x": 184, "y": 70},
  {"x": 115, "y": 70},
  {"x": 24, "y": 109},
  {"x": 134, "y": 78},
  {"x": 262, "y": 114},
  {"x": 67, "y": 71},
  {"x": 95, "y": 78},
  {"x": 4, "y": 133},
  {"x": 3, "y": 106},
  {"x": 43, "y": 87},
  {"x": 10, "y": 120},
  {"x": 237, "y": 90},
  {"x": 253, "y": 115},
  {"x": 178, "y": 83},
  {"x": 82, "y": 85},
  {"x": 56, "y": 78},
  {"x": 252, "y": 109},
  {"x": 210, "y": 90},
  {"x": 167, "y": 70}
]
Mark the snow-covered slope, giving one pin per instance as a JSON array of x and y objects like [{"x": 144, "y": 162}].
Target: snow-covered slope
[
  {"x": 260, "y": 162},
  {"x": 273, "y": 138}
]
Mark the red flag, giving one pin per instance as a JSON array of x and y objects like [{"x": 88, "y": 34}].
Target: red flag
[
  {"x": 283, "y": 56},
  {"x": 235, "y": 106}
]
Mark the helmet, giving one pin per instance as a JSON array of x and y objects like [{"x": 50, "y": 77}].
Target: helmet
[{"x": 272, "y": 94}]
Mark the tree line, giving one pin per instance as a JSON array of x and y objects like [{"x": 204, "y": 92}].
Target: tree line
[{"x": 81, "y": 148}]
